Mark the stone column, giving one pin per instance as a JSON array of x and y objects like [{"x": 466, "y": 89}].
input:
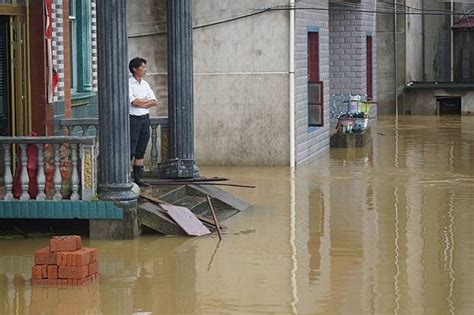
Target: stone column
[
  {"x": 114, "y": 139},
  {"x": 180, "y": 79}
]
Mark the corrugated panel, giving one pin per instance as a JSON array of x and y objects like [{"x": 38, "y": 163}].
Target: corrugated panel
[{"x": 60, "y": 210}]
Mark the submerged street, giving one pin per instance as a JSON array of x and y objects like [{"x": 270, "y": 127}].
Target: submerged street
[{"x": 385, "y": 229}]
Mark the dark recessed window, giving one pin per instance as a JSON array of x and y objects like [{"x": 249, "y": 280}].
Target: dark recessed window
[{"x": 315, "y": 86}]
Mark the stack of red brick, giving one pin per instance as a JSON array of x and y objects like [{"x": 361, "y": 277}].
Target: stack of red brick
[{"x": 65, "y": 263}]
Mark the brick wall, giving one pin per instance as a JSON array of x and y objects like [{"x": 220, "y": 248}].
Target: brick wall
[
  {"x": 347, "y": 46},
  {"x": 310, "y": 140}
]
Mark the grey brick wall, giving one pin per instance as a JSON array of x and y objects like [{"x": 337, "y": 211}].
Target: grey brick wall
[
  {"x": 347, "y": 47},
  {"x": 310, "y": 140}
]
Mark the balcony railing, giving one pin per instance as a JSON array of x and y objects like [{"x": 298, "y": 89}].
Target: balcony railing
[
  {"x": 90, "y": 126},
  {"x": 49, "y": 168}
]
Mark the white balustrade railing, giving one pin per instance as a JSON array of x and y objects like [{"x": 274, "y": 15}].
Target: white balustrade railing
[
  {"x": 159, "y": 150},
  {"x": 74, "y": 155}
]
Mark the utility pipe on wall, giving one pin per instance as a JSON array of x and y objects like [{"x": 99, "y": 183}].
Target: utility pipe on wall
[
  {"x": 452, "y": 40},
  {"x": 395, "y": 50},
  {"x": 423, "y": 67},
  {"x": 292, "y": 85}
]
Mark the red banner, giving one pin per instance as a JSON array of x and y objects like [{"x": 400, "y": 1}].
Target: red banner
[{"x": 48, "y": 7}]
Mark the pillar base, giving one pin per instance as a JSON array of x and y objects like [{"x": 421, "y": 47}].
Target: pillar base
[
  {"x": 127, "y": 228},
  {"x": 178, "y": 169}
]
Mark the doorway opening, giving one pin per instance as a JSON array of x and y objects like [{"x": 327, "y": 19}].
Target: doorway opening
[{"x": 449, "y": 105}]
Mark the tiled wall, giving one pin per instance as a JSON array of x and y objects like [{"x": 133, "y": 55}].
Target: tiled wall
[
  {"x": 347, "y": 46},
  {"x": 310, "y": 140}
]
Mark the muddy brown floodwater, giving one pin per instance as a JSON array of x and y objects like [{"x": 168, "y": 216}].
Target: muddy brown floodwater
[{"x": 386, "y": 229}]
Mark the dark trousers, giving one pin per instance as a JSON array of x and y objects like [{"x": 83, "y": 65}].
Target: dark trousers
[{"x": 139, "y": 136}]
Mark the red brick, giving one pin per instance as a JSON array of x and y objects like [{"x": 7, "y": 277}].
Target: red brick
[
  {"x": 64, "y": 243},
  {"x": 52, "y": 272},
  {"x": 69, "y": 282},
  {"x": 94, "y": 267},
  {"x": 52, "y": 259},
  {"x": 55, "y": 245},
  {"x": 44, "y": 271},
  {"x": 52, "y": 281},
  {"x": 38, "y": 281},
  {"x": 68, "y": 259},
  {"x": 42, "y": 256},
  {"x": 78, "y": 242},
  {"x": 68, "y": 272},
  {"x": 61, "y": 259},
  {"x": 74, "y": 258},
  {"x": 36, "y": 272},
  {"x": 83, "y": 256}
]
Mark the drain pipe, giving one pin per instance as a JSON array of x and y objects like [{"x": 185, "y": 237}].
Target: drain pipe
[
  {"x": 452, "y": 40},
  {"x": 292, "y": 85},
  {"x": 423, "y": 51},
  {"x": 395, "y": 49}
]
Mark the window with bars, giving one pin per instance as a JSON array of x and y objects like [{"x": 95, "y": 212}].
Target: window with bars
[{"x": 315, "y": 86}]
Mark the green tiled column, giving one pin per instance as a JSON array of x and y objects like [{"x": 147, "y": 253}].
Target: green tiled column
[{"x": 84, "y": 46}]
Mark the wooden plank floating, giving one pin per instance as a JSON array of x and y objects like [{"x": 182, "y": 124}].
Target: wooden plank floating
[
  {"x": 184, "y": 210},
  {"x": 186, "y": 220},
  {"x": 200, "y": 217},
  {"x": 154, "y": 217}
]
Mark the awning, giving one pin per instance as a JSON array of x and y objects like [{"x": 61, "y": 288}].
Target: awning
[{"x": 465, "y": 24}]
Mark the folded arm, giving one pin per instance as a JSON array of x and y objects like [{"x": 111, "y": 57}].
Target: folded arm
[{"x": 142, "y": 103}]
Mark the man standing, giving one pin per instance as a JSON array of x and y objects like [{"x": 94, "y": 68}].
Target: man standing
[{"x": 141, "y": 98}]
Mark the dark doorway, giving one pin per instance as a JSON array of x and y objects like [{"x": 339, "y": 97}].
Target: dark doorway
[{"x": 449, "y": 105}]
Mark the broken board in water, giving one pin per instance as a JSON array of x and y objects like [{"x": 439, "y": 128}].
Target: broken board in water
[{"x": 186, "y": 220}]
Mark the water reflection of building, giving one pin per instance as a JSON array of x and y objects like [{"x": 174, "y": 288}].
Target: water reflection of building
[{"x": 388, "y": 233}]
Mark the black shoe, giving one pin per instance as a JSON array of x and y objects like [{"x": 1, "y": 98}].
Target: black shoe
[{"x": 138, "y": 176}]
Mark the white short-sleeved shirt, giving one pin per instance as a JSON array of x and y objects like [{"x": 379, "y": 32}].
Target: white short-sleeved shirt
[{"x": 139, "y": 90}]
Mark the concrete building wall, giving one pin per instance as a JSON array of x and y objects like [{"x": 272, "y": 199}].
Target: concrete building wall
[
  {"x": 147, "y": 39},
  {"x": 437, "y": 43},
  {"x": 240, "y": 77},
  {"x": 311, "y": 140},
  {"x": 386, "y": 50},
  {"x": 241, "y": 84},
  {"x": 424, "y": 101},
  {"x": 414, "y": 43},
  {"x": 241, "y": 80}
]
